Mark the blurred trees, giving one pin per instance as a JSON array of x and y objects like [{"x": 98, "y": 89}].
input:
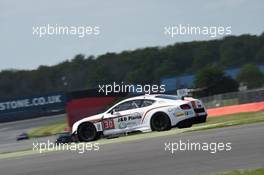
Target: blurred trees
[
  {"x": 145, "y": 65},
  {"x": 214, "y": 81},
  {"x": 251, "y": 76}
]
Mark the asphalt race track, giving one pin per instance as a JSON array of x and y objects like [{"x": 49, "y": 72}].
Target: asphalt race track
[
  {"x": 149, "y": 157},
  {"x": 9, "y": 131}
]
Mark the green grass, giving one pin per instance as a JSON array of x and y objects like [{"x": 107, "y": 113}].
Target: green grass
[
  {"x": 232, "y": 120},
  {"x": 48, "y": 130},
  {"x": 214, "y": 122},
  {"x": 248, "y": 172}
]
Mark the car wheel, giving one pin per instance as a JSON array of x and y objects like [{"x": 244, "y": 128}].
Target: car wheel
[
  {"x": 185, "y": 124},
  {"x": 203, "y": 119},
  {"x": 86, "y": 132},
  {"x": 160, "y": 122}
]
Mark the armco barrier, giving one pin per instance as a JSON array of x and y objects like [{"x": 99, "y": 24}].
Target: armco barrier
[{"x": 250, "y": 107}]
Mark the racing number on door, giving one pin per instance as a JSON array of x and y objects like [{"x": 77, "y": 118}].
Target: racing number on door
[{"x": 108, "y": 124}]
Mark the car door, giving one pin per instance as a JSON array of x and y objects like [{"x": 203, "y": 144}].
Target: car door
[{"x": 123, "y": 118}]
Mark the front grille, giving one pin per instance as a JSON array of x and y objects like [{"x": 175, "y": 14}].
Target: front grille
[{"x": 199, "y": 110}]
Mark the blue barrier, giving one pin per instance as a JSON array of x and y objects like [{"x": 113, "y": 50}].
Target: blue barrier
[
  {"x": 187, "y": 81},
  {"x": 32, "y": 106}
]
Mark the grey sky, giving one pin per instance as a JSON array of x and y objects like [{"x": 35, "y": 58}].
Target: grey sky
[{"x": 125, "y": 25}]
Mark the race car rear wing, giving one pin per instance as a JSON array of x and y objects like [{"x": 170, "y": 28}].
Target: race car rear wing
[
  {"x": 187, "y": 92},
  {"x": 183, "y": 93}
]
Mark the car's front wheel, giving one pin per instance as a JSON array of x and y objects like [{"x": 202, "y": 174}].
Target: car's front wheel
[
  {"x": 86, "y": 132},
  {"x": 160, "y": 122}
]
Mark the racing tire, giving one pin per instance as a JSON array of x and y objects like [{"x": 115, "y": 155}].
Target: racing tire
[
  {"x": 160, "y": 122},
  {"x": 86, "y": 132},
  {"x": 202, "y": 119},
  {"x": 185, "y": 124}
]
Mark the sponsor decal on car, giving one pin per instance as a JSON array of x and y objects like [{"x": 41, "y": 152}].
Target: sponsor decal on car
[
  {"x": 133, "y": 116},
  {"x": 98, "y": 126},
  {"x": 190, "y": 112},
  {"x": 123, "y": 125},
  {"x": 128, "y": 121},
  {"x": 178, "y": 114},
  {"x": 128, "y": 118},
  {"x": 108, "y": 123}
]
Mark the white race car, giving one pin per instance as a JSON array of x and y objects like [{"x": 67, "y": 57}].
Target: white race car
[{"x": 142, "y": 113}]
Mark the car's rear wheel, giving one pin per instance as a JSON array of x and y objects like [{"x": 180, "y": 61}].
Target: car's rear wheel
[
  {"x": 202, "y": 119},
  {"x": 185, "y": 124},
  {"x": 160, "y": 122},
  {"x": 86, "y": 132}
]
